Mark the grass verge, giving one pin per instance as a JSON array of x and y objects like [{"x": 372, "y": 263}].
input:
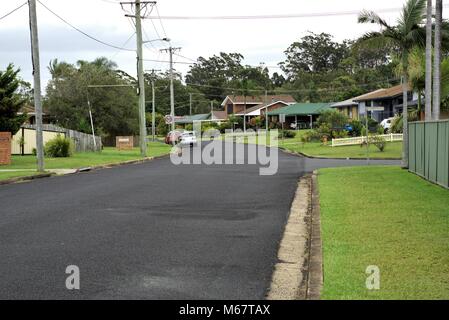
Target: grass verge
[
  {"x": 390, "y": 218},
  {"x": 393, "y": 150},
  {"x": 82, "y": 159}
]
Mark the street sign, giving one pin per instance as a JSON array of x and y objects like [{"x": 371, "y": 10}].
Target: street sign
[
  {"x": 282, "y": 118},
  {"x": 375, "y": 108},
  {"x": 168, "y": 119}
]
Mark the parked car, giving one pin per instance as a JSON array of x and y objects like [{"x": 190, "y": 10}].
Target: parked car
[
  {"x": 188, "y": 138},
  {"x": 386, "y": 124},
  {"x": 173, "y": 137}
]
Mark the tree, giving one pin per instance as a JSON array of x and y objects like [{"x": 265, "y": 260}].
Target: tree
[
  {"x": 114, "y": 109},
  {"x": 314, "y": 53},
  {"x": 10, "y": 101},
  {"x": 212, "y": 75},
  {"x": 402, "y": 38}
]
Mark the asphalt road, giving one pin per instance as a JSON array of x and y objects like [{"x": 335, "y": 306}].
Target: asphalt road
[{"x": 148, "y": 231}]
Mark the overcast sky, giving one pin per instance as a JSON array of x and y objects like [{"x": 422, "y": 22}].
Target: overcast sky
[{"x": 262, "y": 40}]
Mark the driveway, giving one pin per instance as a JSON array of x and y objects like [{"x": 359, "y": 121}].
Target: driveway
[{"x": 148, "y": 231}]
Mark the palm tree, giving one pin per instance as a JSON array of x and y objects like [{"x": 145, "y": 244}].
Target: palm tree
[
  {"x": 437, "y": 61},
  {"x": 402, "y": 38},
  {"x": 428, "y": 62}
]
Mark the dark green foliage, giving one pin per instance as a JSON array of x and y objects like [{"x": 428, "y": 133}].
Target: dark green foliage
[
  {"x": 162, "y": 128},
  {"x": 59, "y": 147},
  {"x": 10, "y": 101},
  {"x": 287, "y": 134},
  {"x": 114, "y": 109}
]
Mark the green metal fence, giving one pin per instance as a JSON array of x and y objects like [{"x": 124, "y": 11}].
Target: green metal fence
[{"x": 429, "y": 150}]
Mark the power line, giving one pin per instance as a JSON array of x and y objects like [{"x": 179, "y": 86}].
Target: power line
[
  {"x": 14, "y": 10},
  {"x": 276, "y": 16},
  {"x": 81, "y": 31}
]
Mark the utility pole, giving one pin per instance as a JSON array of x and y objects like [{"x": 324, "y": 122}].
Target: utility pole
[
  {"x": 91, "y": 120},
  {"x": 428, "y": 89},
  {"x": 437, "y": 61},
  {"x": 266, "y": 110},
  {"x": 37, "y": 84},
  {"x": 142, "y": 122},
  {"x": 153, "y": 104},
  {"x": 190, "y": 101},
  {"x": 211, "y": 108},
  {"x": 172, "y": 92}
]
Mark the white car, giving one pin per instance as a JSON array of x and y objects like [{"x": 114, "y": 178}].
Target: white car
[
  {"x": 386, "y": 124},
  {"x": 188, "y": 138}
]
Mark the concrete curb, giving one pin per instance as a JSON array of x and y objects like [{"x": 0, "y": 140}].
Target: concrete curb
[
  {"x": 80, "y": 170},
  {"x": 315, "y": 275},
  {"x": 290, "y": 276},
  {"x": 25, "y": 178},
  {"x": 300, "y": 154}
]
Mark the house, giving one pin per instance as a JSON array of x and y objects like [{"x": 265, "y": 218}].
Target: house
[
  {"x": 301, "y": 115},
  {"x": 386, "y": 103},
  {"x": 238, "y": 104},
  {"x": 31, "y": 113}
]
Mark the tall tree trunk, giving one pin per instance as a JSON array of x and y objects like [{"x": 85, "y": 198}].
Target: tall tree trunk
[
  {"x": 437, "y": 62},
  {"x": 405, "y": 119},
  {"x": 428, "y": 108}
]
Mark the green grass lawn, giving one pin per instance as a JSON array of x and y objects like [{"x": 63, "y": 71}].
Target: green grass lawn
[
  {"x": 317, "y": 149},
  {"x": 83, "y": 159},
  {"x": 390, "y": 218}
]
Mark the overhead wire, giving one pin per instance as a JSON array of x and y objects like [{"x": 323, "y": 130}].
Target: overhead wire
[
  {"x": 81, "y": 31},
  {"x": 14, "y": 10}
]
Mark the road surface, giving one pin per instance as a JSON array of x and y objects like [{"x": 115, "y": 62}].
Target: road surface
[{"x": 148, "y": 231}]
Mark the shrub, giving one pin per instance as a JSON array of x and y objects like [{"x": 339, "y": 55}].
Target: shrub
[
  {"x": 396, "y": 125},
  {"x": 287, "y": 134},
  {"x": 379, "y": 142},
  {"x": 357, "y": 127},
  {"x": 59, "y": 147},
  {"x": 189, "y": 127},
  {"x": 225, "y": 126},
  {"x": 162, "y": 128},
  {"x": 333, "y": 119}
]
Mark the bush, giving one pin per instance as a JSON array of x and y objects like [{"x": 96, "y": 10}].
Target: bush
[
  {"x": 357, "y": 127},
  {"x": 396, "y": 125},
  {"x": 225, "y": 126},
  {"x": 162, "y": 128},
  {"x": 287, "y": 134},
  {"x": 333, "y": 119},
  {"x": 59, "y": 147},
  {"x": 379, "y": 142}
]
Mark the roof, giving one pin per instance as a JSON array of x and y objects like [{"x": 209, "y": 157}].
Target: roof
[
  {"x": 192, "y": 118},
  {"x": 28, "y": 109},
  {"x": 352, "y": 101},
  {"x": 219, "y": 115},
  {"x": 259, "y": 107},
  {"x": 382, "y": 94},
  {"x": 259, "y": 99},
  {"x": 301, "y": 109}
]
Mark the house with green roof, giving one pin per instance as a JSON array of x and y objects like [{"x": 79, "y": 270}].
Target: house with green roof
[{"x": 299, "y": 115}]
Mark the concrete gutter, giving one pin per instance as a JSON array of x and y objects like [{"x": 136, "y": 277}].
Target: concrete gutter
[
  {"x": 25, "y": 178},
  {"x": 298, "y": 275}
]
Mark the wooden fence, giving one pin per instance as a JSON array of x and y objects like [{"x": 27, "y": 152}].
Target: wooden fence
[
  {"x": 429, "y": 150},
  {"x": 359, "y": 140},
  {"x": 83, "y": 142}
]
